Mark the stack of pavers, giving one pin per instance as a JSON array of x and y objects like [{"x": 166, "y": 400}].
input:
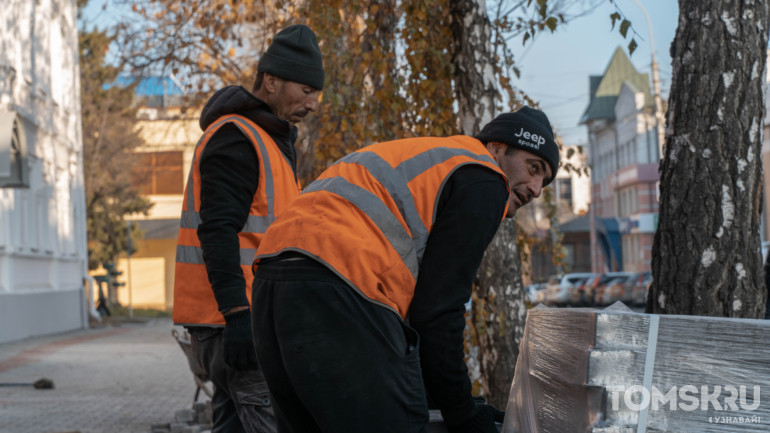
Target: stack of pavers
[
  {"x": 613, "y": 370},
  {"x": 195, "y": 420}
]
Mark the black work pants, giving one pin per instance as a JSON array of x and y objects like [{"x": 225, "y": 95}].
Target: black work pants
[
  {"x": 334, "y": 361},
  {"x": 241, "y": 402}
]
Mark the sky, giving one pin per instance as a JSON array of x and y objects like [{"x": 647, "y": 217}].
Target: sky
[{"x": 555, "y": 69}]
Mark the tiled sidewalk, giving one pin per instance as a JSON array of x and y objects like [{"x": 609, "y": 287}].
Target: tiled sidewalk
[{"x": 106, "y": 380}]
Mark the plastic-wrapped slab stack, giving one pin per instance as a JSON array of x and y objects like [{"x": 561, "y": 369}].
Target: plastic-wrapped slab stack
[{"x": 616, "y": 371}]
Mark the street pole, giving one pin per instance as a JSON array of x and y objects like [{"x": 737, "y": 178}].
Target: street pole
[
  {"x": 659, "y": 120},
  {"x": 128, "y": 270}
]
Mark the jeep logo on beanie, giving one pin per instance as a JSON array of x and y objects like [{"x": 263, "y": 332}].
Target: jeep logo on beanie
[{"x": 530, "y": 139}]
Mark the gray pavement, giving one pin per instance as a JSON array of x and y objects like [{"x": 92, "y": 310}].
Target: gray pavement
[{"x": 122, "y": 378}]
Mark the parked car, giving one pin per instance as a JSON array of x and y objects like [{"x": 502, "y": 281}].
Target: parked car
[
  {"x": 637, "y": 286},
  {"x": 535, "y": 293},
  {"x": 615, "y": 290},
  {"x": 578, "y": 292},
  {"x": 595, "y": 288},
  {"x": 551, "y": 288},
  {"x": 559, "y": 290}
]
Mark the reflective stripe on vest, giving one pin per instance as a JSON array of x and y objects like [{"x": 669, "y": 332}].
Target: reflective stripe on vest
[
  {"x": 372, "y": 206},
  {"x": 194, "y": 255},
  {"x": 369, "y": 215}
]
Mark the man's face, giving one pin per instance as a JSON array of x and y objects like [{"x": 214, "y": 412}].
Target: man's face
[
  {"x": 526, "y": 172},
  {"x": 290, "y": 100}
]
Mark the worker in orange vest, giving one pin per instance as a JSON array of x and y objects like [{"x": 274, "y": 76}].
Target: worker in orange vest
[
  {"x": 360, "y": 285},
  {"x": 243, "y": 175}
]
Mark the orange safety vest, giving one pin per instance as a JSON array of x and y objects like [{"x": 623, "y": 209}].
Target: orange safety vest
[
  {"x": 368, "y": 216},
  {"x": 194, "y": 302}
]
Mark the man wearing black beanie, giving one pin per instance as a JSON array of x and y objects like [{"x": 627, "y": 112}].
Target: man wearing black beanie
[
  {"x": 361, "y": 284},
  {"x": 242, "y": 176}
]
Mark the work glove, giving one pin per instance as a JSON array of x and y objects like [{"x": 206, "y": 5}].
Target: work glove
[
  {"x": 483, "y": 421},
  {"x": 238, "y": 345}
]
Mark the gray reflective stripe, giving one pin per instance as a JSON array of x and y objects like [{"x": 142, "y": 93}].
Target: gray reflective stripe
[
  {"x": 378, "y": 212},
  {"x": 247, "y": 256},
  {"x": 189, "y": 254},
  {"x": 419, "y": 163},
  {"x": 398, "y": 190},
  {"x": 194, "y": 255},
  {"x": 257, "y": 224},
  {"x": 254, "y": 223},
  {"x": 190, "y": 219}
]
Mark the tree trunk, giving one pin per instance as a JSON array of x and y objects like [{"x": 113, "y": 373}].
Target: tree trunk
[
  {"x": 496, "y": 323},
  {"x": 498, "y": 314},
  {"x": 473, "y": 60},
  {"x": 706, "y": 256}
]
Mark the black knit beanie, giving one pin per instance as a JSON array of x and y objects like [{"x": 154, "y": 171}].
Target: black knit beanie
[
  {"x": 294, "y": 55},
  {"x": 526, "y": 129}
]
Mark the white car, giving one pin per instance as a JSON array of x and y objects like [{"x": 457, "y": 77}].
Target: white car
[
  {"x": 534, "y": 293},
  {"x": 559, "y": 292}
]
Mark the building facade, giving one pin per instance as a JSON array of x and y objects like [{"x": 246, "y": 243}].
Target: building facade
[
  {"x": 43, "y": 253},
  {"x": 170, "y": 135},
  {"x": 623, "y": 152}
]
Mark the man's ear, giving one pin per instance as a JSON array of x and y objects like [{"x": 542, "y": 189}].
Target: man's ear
[
  {"x": 270, "y": 83},
  {"x": 495, "y": 148}
]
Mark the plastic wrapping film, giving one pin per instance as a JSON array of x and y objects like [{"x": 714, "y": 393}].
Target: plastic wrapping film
[{"x": 616, "y": 371}]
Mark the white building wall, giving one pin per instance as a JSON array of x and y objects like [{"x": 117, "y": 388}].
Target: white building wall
[
  {"x": 604, "y": 162},
  {"x": 580, "y": 182},
  {"x": 43, "y": 254}
]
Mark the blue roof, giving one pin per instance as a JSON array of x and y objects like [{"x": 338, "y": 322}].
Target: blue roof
[{"x": 151, "y": 86}]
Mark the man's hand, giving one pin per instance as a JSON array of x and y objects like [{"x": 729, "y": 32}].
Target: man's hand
[
  {"x": 238, "y": 345},
  {"x": 483, "y": 421}
]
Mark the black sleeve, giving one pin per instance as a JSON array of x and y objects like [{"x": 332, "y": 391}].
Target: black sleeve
[
  {"x": 229, "y": 170},
  {"x": 469, "y": 212}
]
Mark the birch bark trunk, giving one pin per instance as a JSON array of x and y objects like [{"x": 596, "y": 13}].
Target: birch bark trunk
[
  {"x": 496, "y": 321},
  {"x": 706, "y": 255}
]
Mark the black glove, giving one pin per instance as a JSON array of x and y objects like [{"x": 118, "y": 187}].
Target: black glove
[
  {"x": 238, "y": 345},
  {"x": 483, "y": 421}
]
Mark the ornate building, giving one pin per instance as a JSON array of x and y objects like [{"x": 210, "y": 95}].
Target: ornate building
[
  {"x": 43, "y": 254},
  {"x": 623, "y": 153}
]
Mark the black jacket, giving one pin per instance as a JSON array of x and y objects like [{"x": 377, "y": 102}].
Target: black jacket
[{"x": 229, "y": 169}]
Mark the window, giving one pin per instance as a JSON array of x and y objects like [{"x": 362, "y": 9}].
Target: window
[
  {"x": 563, "y": 188},
  {"x": 569, "y": 256},
  {"x": 626, "y": 201},
  {"x": 632, "y": 253},
  {"x": 13, "y": 152},
  {"x": 159, "y": 173}
]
